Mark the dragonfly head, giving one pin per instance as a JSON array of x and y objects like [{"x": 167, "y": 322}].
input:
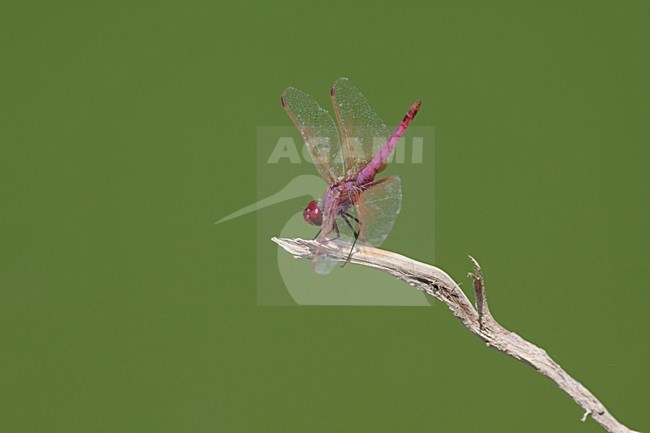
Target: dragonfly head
[{"x": 313, "y": 214}]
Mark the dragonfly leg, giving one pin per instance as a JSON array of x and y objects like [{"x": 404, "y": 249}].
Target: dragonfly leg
[
  {"x": 338, "y": 234},
  {"x": 357, "y": 233},
  {"x": 349, "y": 215},
  {"x": 345, "y": 216}
]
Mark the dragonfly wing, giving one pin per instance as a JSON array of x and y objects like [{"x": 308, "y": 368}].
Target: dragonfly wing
[
  {"x": 323, "y": 263},
  {"x": 335, "y": 228},
  {"x": 378, "y": 206},
  {"x": 318, "y": 130},
  {"x": 362, "y": 131}
]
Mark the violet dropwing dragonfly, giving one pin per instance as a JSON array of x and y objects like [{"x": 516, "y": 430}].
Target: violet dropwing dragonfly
[{"x": 355, "y": 206}]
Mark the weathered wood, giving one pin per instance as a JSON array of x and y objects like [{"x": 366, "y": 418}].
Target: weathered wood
[{"x": 435, "y": 282}]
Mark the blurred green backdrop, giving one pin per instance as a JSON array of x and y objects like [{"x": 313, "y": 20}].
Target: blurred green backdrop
[{"x": 127, "y": 129}]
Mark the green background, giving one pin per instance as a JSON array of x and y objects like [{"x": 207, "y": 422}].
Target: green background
[{"x": 127, "y": 129}]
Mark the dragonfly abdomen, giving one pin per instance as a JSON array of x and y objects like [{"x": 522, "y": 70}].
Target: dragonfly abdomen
[{"x": 369, "y": 171}]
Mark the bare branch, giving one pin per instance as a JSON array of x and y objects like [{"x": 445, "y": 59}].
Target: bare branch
[
  {"x": 479, "y": 293},
  {"x": 479, "y": 320}
]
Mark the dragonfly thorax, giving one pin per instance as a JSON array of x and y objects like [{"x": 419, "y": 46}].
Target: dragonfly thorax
[{"x": 313, "y": 214}]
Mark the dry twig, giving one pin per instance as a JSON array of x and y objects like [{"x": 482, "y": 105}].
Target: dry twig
[{"x": 438, "y": 284}]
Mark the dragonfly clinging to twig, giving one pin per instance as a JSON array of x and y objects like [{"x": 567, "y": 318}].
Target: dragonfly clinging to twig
[{"x": 355, "y": 206}]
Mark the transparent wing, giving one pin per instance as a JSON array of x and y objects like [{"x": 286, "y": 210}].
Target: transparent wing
[
  {"x": 362, "y": 131},
  {"x": 336, "y": 227},
  {"x": 318, "y": 130},
  {"x": 378, "y": 206}
]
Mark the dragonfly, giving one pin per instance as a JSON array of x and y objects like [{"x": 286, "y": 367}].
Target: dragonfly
[{"x": 348, "y": 155}]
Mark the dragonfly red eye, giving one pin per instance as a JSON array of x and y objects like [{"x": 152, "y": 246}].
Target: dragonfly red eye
[{"x": 312, "y": 213}]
